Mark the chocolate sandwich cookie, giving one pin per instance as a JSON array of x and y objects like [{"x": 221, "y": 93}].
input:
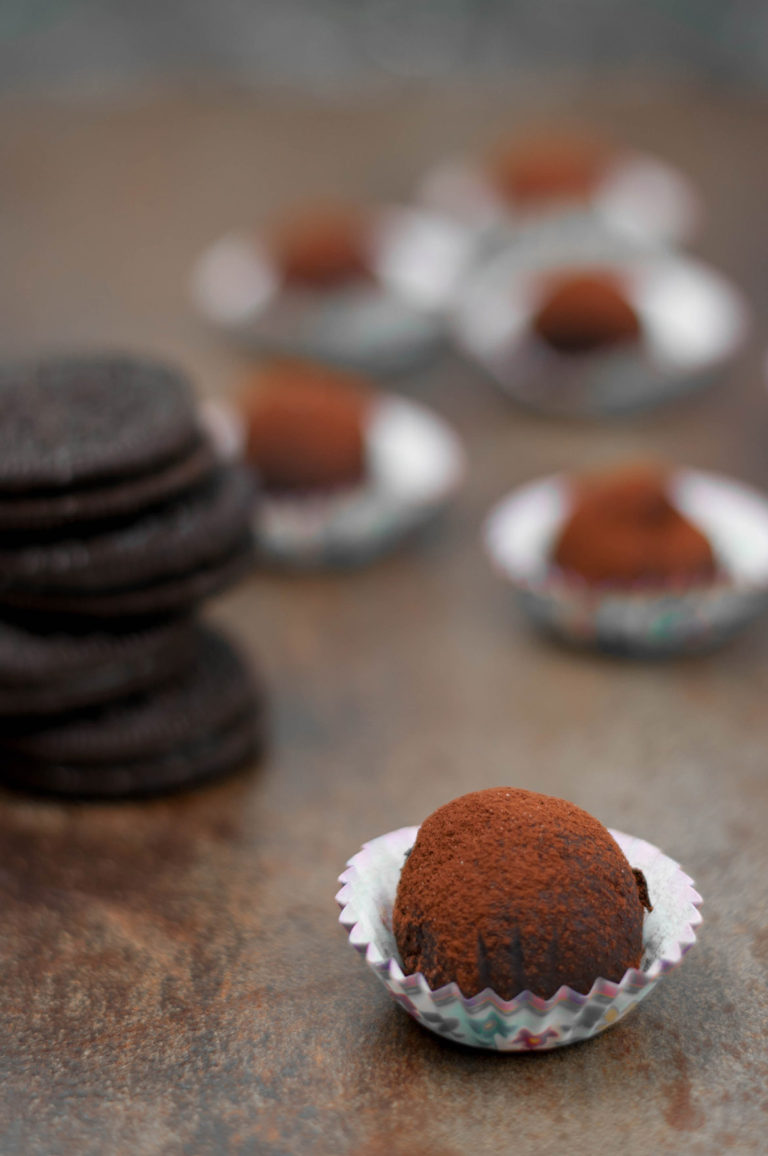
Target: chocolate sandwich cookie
[
  {"x": 46, "y": 509},
  {"x": 46, "y": 668},
  {"x": 171, "y": 595},
  {"x": 80, "y": 421},
  {"x": 207, "y": 721},
  {"x": 165, "y": 560}
]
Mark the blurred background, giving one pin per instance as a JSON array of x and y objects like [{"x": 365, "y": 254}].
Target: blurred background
[
  {"x": 134, "y": 135},
  {"x": 106, "y": 45}
]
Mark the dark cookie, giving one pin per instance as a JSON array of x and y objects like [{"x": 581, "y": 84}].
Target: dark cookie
[
  {"x": 48, "y": 670},
  {"x": 173, "y": 595},
  {"x": 201, "y": 530},
  {"x": 230, "y": 749},
  {"x": 44, "y": 510},
  {"x": 206, "y": 722},
  {"x": 68, "y": 422}
]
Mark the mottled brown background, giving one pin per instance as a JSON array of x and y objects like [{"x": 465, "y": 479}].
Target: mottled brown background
[{"x": 172, "y": 978}]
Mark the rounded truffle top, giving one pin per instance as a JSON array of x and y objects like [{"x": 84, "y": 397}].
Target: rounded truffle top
[
  {"x": 625, "y": 529},
  {"x": 512, "y": 890},
  {"x": 306, "y": 426},
  {"x": 585, "y": 310},
  {"x": 322, "y": 247},
  {"x": 549, "y": 166}
]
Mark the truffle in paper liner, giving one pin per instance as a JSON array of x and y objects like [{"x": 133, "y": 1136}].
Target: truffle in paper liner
[
  {"x": 415, "y": 463},
  {"x": 521, "y": 530},
  {"x": 417, "y": 259},
  {"x": 693, "y": 322},
  {"x": 639, "y": 196},
  {"x": 526, "y": 1023}
]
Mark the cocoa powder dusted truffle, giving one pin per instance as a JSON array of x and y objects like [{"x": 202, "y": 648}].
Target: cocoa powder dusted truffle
[
  {"x": 305, "y": 426},
  {"x": 549, "y": 166},
  {"x": 322, "y": 247},
  {"x": 625, "y": 529},
  {"x": 512, "y": 890},
  {"x": 585, "y": 310}
]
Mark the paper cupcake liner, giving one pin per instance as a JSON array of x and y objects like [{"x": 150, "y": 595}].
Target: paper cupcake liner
[
  {"x": 693, "y": 323},
  {"x": 520, "y": 533},
  {"x": 641, "y": 624},
  {"x": 616, "y": 382},
  {"x": 528, "y": 1022},
  {"x": 415, "y": 464},
  {"x": 225, "y": 429},
  {"x": 639, "y": 196},
  {"x": 387, "y": 324}
]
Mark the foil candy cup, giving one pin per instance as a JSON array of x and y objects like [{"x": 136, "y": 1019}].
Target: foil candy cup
[
  {"x": 415, "y": 464},
  {"x": 520, "y": 533},
  {"x": 693, "y": 323},
  {"x": 639, "y": 196},
  {"x": 418, "y": 259},
  {"x": 526, "y": 1023}
]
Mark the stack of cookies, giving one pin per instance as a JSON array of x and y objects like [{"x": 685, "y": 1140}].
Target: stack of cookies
[{"x": 117, "y": 517}]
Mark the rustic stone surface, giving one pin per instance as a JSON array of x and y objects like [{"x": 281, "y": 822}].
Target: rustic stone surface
[{"x": 173, "y": 978}]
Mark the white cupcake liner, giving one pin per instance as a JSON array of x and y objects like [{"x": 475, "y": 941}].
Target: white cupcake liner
[
  {"x": 639, "y": 196},
  {"x": 521, "y": 531},
  {"x": 224, "y": 427},
  {"x": 526, "y": 1023},
  {"x": 693, "y": 323},
  {"x": 417, "y": 258}
]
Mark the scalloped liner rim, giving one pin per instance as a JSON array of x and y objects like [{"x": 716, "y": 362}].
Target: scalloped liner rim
[{"x": 634, "y": 980}]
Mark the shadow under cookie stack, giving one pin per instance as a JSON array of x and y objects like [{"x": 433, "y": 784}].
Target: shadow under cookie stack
[{"x": 118, "y": 516}]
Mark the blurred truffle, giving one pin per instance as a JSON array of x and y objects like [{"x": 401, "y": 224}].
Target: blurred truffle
[
  {"x": 625, "y": 529},
  {"x": 549, "y": 167},
  {"x": 305, "y": 426},
  {"x": 322, "y": 246},
  {"x": 512, "y": 890},
  {"x": 585, "y": 310}
]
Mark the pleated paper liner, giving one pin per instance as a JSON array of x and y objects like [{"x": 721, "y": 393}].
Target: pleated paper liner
[
  {"x": 526, "y": 1023},
  {"x": 521, "y": 531}
]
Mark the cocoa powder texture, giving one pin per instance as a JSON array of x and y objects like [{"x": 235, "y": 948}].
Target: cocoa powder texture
[
  {"x": 512, "y": 890},
  {"x": 625, "y": 530}
]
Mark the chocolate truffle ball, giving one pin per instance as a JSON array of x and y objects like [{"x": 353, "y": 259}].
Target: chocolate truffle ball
[
  {"x": 515, "y": 891},
  {"x": 305, "y": 426},
  {"x": 549, "y": 167},
  {"x": 625, "y": 529},
  {"x": 584, "y": 311},
  {"x": 322, "y": 247}
]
